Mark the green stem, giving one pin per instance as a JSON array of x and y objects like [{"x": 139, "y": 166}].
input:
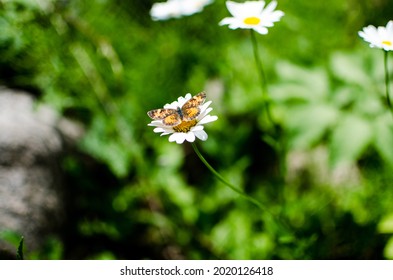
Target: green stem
[
  {"x": 273, "y": 139},
  {"x": 385, "y": 62},
  {"x": 262, "y": 78},
  {"x": 283, "y": 226},
  {"x": 219, "y": 177}
]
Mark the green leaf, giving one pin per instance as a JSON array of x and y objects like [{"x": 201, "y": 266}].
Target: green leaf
[
  {"x": 307, "y": 124},
  {"x": 232, "y": 231},
  {"x": 19, "y": 253},
  {"x": 383, "y": 142},
  {"x": 349, "y": 140},
  {"x": 10, "y": 236},
  {"x": 348, "y": 68},
  {"x": 388, "y": 251},
  {"x": 15, "y": 239},
  {"x": 311, "y": 80},
  {"x": 386, "y": 224}
]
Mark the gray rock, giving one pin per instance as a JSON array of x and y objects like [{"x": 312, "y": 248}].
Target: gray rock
[{"x": 32, "y": 140}]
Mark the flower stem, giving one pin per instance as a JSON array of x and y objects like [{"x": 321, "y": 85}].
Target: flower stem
[
  {"x": 385, "y": 62},
  {"x": 219, "y": 177},
  {"x": 279, "y": 223},
  {"x": 262, "y": 78},
  {"x": 273, "y": 139}
]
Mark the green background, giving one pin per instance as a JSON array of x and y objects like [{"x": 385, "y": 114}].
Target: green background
[{"x": 133, "y": 195}]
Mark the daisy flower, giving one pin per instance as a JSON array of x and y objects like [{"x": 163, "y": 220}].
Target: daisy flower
[
  {"x": 177, "y": 8},
  {"x": 190, "y": 7},
  {"x": 252, "y": 15},
  {"x": 186, "y": 129},
  {"x": 381, "y": 37}
]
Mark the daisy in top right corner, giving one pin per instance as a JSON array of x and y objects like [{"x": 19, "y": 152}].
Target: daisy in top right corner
[{"x": 379, "y": 37}]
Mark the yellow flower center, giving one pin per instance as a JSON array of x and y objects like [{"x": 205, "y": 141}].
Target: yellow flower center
[
  {"x": 388, "y": 43},
  {"x": 185, "y": 126},
  {"x": 252, "y": 20}
]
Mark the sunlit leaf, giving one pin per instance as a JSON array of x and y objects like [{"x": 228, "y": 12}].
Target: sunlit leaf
[
  {"x": 388, "y": 251},
  {"x": 314, "y": 81},
  {"x": 386, "y": 224},
  {"x": 307, "y": 124},
  {"x": 348, "y": 68},
  {"x": 383, "y": 139},
  {"x": 350, "y": 138}
]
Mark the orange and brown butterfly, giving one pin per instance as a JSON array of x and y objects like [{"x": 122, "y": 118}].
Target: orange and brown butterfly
[{"x": 172, "y": 117}]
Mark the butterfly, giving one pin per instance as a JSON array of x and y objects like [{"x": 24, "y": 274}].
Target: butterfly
[{"x": 172, "y": 117}]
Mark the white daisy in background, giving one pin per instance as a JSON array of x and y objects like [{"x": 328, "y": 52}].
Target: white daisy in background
[
  {"x": 381, "y": 37},
  {"x": 252, "y": 15},
  {"x": 190, "y": 7},
  {"x": 165, "y": 10},
  {"x": 185, "y": 130},
  {"x": 177, "y": 8}
]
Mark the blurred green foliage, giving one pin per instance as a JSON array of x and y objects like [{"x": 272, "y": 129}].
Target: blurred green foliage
[{"x": 134, "y": 195}]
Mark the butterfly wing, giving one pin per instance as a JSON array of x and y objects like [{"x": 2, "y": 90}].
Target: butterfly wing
[
  {"x": 168, "y": 116},
  {"x": 172, "y": 120},
  {"x": 190, "y": 109}
]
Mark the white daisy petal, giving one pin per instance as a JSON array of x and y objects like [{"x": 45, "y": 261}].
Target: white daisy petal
[
  {"x": 190, "y": 137},
  {"x": 156, "y": 123},
  {"x": 172, "y": 138},
  {"x": 171, "y": 106},
  {"x": 273, "y": 17},
  {"x": 158, "y": 130},
  {"x": 207, "y": 111},
  {"x": 177, "y": 8},
  {"x": 389, "y": 28},
  {"x": 226, "y": 21},
  {"x": 190, "y": 7},
  {"x": 261, "y": 30},
  {"x": 202, "y": 135},
  {"x": 197, "y": 128},
  {"x": 255, "y": 7},
  {"x": 165, "y": 133},
  {"x": 270, "y": 7},
  {"x": 181, "y": 137},
  {"x": 236, "y": 25},
  {"x": 177, "y": 137},
  {"x": 234, "y": 8},
  {"x": 208, "y": 119},
  {"x": 205, "y": 105}
]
